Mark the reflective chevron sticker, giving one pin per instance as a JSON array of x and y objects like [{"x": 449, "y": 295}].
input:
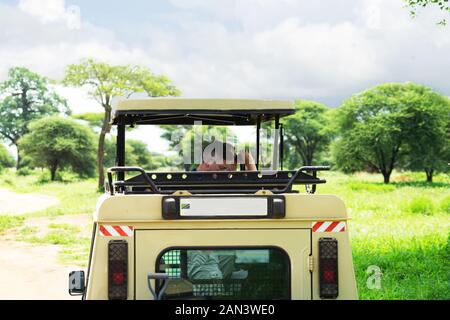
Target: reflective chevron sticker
[
  {"x": 116, "y": 231},
  {"x": 328, "y": 226}
]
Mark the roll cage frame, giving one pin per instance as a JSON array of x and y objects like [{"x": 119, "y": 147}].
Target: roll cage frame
[{"x": 211, "y": 182}]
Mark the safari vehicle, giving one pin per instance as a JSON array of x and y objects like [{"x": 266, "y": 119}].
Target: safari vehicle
[{"x": 268, "y": 239}]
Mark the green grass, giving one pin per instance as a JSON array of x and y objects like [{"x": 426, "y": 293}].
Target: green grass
[
  {"x": 445, "y": 204},
  {"x": 422, "y": 205},
  {"x": 403, "y": 228},
  {"x": 74, "y": 249},
  {"x": 62, "y": 234},
  {"x": 27, "y": 231},
  {"x": 76, "y": 254},
  {"x": 9, "y": 222}
]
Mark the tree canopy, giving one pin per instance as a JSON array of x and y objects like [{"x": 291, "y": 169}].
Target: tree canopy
[
  {"x": 104, "y": 82},
  {"x": 93, "y": 119},
  {"x": 58, "y": 143},
  {"x": 428, "y": 143},
  {"x": 24, "y": 97},
  {"x": 378, "y": 125},
  {"x": 136, "y": 154},
  {"x": 308, "y": 132}
]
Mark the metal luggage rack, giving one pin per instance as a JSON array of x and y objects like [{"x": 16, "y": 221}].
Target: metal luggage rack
[{"x": 213, "y": 182}]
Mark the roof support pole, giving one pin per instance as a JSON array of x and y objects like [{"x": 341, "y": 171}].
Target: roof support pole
[
  {"x": 276, "y": 142},
  {"x": 258, "y": 129},
  {"x": 120, "y": 150},
  {"x": 281, "y": 146}
]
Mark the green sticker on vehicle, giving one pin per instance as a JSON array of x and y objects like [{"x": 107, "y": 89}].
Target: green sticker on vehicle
[{"x": 185, "y": 206}]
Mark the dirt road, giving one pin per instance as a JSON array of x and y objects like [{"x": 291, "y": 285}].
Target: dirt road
[
  {"x": 12, "y": 203},
  {"x": 32, "y": 272}
]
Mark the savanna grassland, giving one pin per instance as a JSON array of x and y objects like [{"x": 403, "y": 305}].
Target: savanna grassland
[{"x": 403, "y": 228}]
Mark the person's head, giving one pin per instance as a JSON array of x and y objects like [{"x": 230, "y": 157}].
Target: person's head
[{"x": 218, "y": 156}]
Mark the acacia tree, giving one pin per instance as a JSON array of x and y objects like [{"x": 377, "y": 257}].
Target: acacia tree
[
  {"x": 308, "y": 132},
  {"x": 24, "y": 97},
  {"x": 381, "y": 125},
  {"x": 372, "y": 129},
  {"x": 57, "y": 143},
  {"x": 104, "y": 82}
]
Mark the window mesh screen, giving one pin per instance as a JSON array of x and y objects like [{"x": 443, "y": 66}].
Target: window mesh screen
[{"x": 172, "y": 264}]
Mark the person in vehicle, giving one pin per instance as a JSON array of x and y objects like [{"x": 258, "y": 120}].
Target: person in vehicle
[
  {"x": 220, "y": 156},
  {"x": 203, "y": 265}
]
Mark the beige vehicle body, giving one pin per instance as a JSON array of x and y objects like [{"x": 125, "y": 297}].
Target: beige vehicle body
[{"x": 279, "y": 243}]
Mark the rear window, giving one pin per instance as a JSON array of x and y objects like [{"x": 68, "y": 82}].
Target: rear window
[{"x": 230, "y": 273}]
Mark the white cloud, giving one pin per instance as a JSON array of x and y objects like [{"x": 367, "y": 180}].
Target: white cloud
[
  {"x": 44, "y": 10},
  {"x": 256, "y": 48},
  {"x": 52, "y": 11},
  {"x": 78, "y": 99},
  {"x": 323, "y": 50},
  {"x": 46, "y": 43},
  {"x": 39, "y": 35}
]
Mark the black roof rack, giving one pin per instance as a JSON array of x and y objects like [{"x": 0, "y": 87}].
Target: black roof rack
[
  {"x": 215, "y": 182},
  {"x": 189, "y": 117}
]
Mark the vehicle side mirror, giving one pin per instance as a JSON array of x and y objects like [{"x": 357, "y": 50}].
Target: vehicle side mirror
[{"x": 76, "y": 283}]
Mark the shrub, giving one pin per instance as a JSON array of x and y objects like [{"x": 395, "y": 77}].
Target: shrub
[
  {"x": 43, "y": 178},
  {"x": 422, "y": 205},
  {"x": 24, "y": 171},
  {"x": 8, "y": 181},
  {"x": 6, "y": 160},
  {"x": 8, "y": 222}
]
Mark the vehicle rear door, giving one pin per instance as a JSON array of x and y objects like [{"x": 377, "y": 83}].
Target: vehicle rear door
[{"x": 249, "y": 259}]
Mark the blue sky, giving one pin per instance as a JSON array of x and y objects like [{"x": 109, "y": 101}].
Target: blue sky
[{"x": 273, "y": 49}]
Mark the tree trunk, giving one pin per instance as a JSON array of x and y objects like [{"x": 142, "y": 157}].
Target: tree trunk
[
  {"x": 19, "y": 162},
  {"x": 429, "y": 173},
  {"x": 386, "y": 176},
  {"x": 101, "y": 148},
  {"x": 53, "y": 169},
  {"x": 100, "y": 159},
  {"x": 309, "y": 158}
]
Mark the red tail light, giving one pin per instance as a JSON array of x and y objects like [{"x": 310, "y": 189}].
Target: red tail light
[
  {"x": 117, "y": 270},
  {"x": 328, "y": 268},
  {"x": 118, "y": 278}
]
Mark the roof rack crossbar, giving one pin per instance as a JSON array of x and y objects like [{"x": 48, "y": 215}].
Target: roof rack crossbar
[
  {"x": 304, "y": 169},
  {"x": 152, "y": 185}
]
